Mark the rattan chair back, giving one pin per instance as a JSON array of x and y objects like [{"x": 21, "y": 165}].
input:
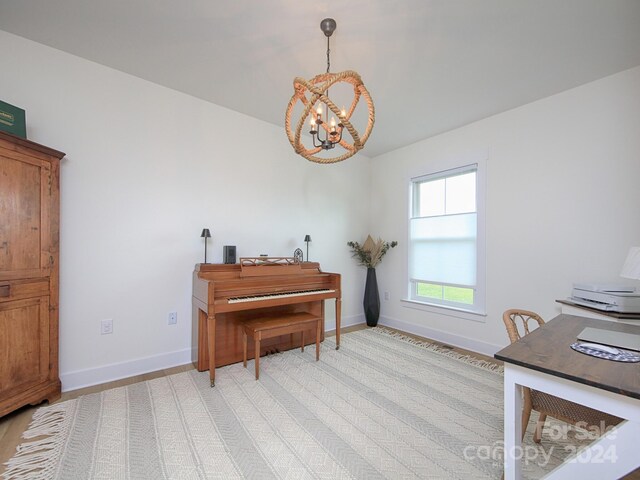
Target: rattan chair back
[{"x": 519, "y": 323}]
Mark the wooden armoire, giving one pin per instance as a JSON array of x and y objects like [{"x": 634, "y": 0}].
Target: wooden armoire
[{"x": 29, "y": 271}]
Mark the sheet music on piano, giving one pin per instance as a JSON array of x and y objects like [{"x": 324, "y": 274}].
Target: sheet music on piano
[
  {"x": 227, "y": 295},
  {"x": 260, "y": 266}
]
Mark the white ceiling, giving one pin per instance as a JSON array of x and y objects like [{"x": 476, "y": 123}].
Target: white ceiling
[{"x": 430, "y": 65}]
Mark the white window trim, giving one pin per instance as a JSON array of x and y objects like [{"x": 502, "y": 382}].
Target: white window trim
[
  {"x": 478, "y": 313},
  {"x": 444, "y": 310}
]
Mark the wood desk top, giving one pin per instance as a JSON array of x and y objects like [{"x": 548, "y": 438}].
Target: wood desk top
[{"x": 547, "y": 349}]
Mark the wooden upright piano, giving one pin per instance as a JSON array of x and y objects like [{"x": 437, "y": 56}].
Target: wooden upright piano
[{"x": 227, "y": 295}]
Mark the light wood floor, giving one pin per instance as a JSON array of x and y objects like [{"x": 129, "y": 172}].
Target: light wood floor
[{"x": 14, "y": 424}]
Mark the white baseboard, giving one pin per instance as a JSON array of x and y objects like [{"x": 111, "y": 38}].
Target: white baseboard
[
  {"x": 348, "y": 321},
  {"x": 117, "y": 371},
  {"x": 484, "y": 348}
]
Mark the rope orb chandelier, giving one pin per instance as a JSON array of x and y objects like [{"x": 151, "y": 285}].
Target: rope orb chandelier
[{"x": 317, "y": 107}]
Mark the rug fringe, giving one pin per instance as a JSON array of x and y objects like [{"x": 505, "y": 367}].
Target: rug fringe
[
  {"x": 463, "y": 357},
  {"x": 37, "y": 459}
]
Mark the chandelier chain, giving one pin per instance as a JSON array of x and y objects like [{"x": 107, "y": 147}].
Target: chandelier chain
[{"x": 328, "y": 53}]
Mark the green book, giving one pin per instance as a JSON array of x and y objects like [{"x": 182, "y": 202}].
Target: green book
[{"x": 12, "y": 120}]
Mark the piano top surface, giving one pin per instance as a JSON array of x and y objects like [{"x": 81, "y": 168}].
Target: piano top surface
[
  {"x": 227, "y": 281},
  {"x": 212, "y": 271}
]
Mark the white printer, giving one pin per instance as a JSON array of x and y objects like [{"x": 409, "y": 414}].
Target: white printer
[{"x": 607, "y": 297}]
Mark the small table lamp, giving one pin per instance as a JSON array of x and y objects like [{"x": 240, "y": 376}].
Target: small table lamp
[
  {"x": 307, "y": 238},
  {"x": 631, "y": 267},
  {"x": 205, "y": 234}
]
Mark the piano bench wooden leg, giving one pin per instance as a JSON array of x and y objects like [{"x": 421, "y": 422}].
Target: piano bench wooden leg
[
  {"x": 257, "y": 356},
  {"x": 244, "y": 349},
  {"x": 318, "y": 333},
  {"x": 302, "y": 343}
]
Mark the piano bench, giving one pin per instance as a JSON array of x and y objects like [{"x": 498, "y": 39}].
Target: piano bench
[{"x": 273, "y": 326}]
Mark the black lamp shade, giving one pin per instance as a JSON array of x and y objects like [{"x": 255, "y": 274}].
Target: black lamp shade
[
  {"x": 307, "y": 239},
  {"x": 205, "y": 234}
]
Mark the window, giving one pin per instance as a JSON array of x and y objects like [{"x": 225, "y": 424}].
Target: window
[{"x": 446, "y": 251}]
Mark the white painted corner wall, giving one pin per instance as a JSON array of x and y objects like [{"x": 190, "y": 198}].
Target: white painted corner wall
[
  {"x": 146, "y": 169},
  {"x": 563, "y": 203}
]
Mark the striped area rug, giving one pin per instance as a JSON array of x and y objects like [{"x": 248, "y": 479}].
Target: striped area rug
[{"x": 383, "y": 406}]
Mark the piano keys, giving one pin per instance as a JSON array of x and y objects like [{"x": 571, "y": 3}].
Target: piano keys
[
  {"x": 269, "y": 296},
  {"x": 225, "y": 296}
]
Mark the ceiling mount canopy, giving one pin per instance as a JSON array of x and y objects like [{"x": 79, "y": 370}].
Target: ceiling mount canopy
[{"x": 319, "y": 112}]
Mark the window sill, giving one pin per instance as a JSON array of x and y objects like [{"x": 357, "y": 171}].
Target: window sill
[{"x": 445, "y": 310}]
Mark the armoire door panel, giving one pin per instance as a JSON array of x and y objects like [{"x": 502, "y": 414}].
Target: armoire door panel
[
  {"x": 24, "y": 219},
  {"x": 24, "y": 344}
]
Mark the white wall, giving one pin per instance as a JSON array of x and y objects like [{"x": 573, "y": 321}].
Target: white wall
[
  {"x": 146, "y": 169},
  {"x": 562, "y": 204}
]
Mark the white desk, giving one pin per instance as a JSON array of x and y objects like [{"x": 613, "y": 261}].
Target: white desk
[
  {"x": 571, "y": 308},
  {"x": 544, "y": 361}
]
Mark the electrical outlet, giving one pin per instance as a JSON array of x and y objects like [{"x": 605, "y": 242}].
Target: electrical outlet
[
  {"x": 386, "y": 296},
  {"x": 106, "y": 326},
  {"x": 172, "y": 319}
]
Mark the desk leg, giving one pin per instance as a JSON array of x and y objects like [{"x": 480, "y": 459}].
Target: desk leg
[
  {"x": 512, "y": 426},
  {"x": 211, "y": 340},
  {"x": 613, "y": 456},
  {"x": 338, "y": 315}
]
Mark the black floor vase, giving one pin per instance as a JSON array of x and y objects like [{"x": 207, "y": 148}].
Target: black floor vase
[{"x": 371, "y": 302}]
